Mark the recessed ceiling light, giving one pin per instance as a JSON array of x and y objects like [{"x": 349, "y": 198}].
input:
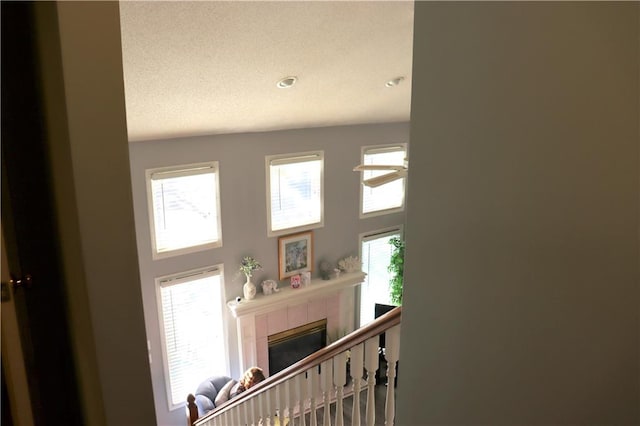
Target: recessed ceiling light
[
  {"x": 394, "y": 82},
  {"x": 287, "y": 82}
]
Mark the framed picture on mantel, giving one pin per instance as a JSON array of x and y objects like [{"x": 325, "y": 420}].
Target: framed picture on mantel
[{"x": 295, "y": 254}]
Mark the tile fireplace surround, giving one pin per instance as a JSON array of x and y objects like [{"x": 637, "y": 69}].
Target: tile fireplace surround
[{"x": 289, "y": 308}]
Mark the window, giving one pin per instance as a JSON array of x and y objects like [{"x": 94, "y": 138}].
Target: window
[
  {"x": 376, "y": 256},
  {"x": 192, "y": 330},
  {"x": 184, "y": 209},
  {"x": 387, "y": 198},
  {"x": 294, "y": 192}
]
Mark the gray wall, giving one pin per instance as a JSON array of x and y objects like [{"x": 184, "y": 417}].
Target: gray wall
[
  {"x": 522, "y": 227},
  {"x": 241, "y": 159}
]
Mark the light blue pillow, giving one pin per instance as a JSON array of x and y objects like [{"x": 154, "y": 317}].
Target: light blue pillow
[{"x": 225, "y": 393}]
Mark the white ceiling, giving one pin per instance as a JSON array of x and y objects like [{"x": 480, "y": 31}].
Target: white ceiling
[{"x": 211, "y": 67}]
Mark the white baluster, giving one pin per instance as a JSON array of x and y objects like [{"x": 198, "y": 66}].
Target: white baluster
[
  {"x": 293, "y": 391},
  {"x": 236, "y": 415},
  {"x": 228, "y": 420},
  {"x": 243, "y": 414},
  {"x": 271, "y": 406},
  {"x": 314, "y": 392},
  {"x": 340, "y": 380},
  {"x": 371, "y": 363},
  {"x": 272, "y": 401},
  {"x": 233, "y": 417},
  {"x": 392, "y": 354},
  {"x": 289, "y": 401},
  {"x": 357, "y": 366},
  {"x": 326, "y": 372},
  {"x": 282, "y": 402},
  {"x": 264, "y": 407},
  {"x": 255, "y": 410},
  {"x": 301, "y": 386}
]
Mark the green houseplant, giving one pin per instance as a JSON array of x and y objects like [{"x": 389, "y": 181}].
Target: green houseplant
[
  {"x": 247, "y": 266},
  {"x": 396, "y": 267}
]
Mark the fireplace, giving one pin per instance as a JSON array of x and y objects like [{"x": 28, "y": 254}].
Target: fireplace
[
  {"x": 259, "y": 319},
  {"x": 290, "y": 346}
]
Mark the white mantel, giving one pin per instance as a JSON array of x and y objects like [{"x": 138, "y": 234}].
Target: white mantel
[{"x": 288, "y": 308}]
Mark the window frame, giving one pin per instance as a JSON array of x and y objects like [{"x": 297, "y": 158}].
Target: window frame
[
  {"x": 184, "y": 168},
  {"x": 282, "y": 158},
  {"x": 366, "y": 236},
  {"x": 184, "y": 276},
  {"x": 381, "y": 148}
]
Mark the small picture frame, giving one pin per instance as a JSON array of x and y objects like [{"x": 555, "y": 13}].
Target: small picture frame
[
  {"x": 295, "y": 254},
  {"x": 295, "y": 281}
]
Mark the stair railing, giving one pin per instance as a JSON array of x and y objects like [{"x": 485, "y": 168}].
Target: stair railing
[{"x": 319, "y": 380}]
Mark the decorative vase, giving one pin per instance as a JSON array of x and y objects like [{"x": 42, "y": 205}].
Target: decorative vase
[{"x": 249, "y": 289}]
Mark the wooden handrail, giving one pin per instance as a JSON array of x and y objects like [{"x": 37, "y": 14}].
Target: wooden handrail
[{"x": 375, "y": 328}]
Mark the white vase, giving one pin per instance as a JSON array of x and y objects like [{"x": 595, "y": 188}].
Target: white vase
[{"x": 249, "y": 289}]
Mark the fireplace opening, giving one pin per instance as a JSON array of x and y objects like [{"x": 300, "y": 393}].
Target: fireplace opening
[{"x": 290, "y": 346}]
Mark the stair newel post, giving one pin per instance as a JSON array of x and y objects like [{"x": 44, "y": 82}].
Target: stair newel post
[
  {"x": 357, "y": 366},
  {"x": 340, "y": 380},
  {"x": 314, "y": 392},
  {"x": 326, "y": 374},
  {"x": 301, "y": 386},
  {"x": 371, "y": 364},
  {"x": 192, "y": 409},
  {"x": 392, "y": 354}
]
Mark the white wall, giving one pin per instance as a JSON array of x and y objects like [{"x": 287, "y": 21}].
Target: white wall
[
  {"x": 83, "y": 108},
  {"x": 521, "y": 295},
  {"x": 241, "y": 159}
]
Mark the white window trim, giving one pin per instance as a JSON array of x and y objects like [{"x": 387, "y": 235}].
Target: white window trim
[
  {"x": 371, "y": 235},
  {"x": 187, "y": 168},
  {"x": 183, "y": 276},
  {"x": 274, "y": 158},
  {"x": 381, "y": 148}
]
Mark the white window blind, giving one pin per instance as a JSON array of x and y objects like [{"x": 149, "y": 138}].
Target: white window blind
[
  {"x": 295, "y": 191},
  {"x": 185, "y": 207},
  {"x": 194, "y": 347},
  {"x": 376, "y": 256},
  {"x": 389, "y": 196}
]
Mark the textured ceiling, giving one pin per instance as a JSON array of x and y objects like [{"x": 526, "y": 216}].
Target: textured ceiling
[{"x": 211, "y": 67}]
